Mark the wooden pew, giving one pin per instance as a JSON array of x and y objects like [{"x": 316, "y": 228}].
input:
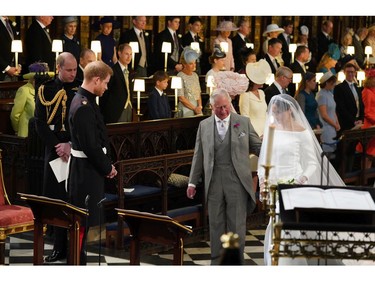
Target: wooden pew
[
  {"x": 359, "y": 175},
  {"x": 156, "y": 195}
]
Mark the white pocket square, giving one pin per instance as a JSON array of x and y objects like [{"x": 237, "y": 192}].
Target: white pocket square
[{"x": 242, "y": 134}]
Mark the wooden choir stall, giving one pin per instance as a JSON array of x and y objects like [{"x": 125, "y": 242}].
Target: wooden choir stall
[{"x": 57, "y": 213}]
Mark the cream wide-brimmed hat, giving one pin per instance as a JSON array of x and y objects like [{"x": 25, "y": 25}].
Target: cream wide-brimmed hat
[
  {"x": 325, "y": 77},
  {"x": 226, "y": 26},
  {"x": 273, "y": 28},
  {"x": 258, "y": 71}
]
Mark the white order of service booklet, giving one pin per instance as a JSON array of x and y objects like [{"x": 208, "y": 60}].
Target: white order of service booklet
[{"x": 333, "y": 198}]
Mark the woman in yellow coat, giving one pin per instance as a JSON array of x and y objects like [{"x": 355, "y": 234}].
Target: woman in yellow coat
[{"x": 24, "y": 102}]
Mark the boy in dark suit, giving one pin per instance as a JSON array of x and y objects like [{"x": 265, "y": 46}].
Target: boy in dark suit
[{"x": 158, "y": 105}]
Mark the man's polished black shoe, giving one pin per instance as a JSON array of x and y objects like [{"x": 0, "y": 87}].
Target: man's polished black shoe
[{"x": 55, "y": 256}]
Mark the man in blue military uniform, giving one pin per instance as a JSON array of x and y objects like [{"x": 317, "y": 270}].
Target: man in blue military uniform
[
  {"x": 52, "y": 104},
  {"x": 89, "y": 163}
]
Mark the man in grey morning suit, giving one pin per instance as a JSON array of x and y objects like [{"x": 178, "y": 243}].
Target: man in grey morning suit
[{"x": 223, "y": 144}]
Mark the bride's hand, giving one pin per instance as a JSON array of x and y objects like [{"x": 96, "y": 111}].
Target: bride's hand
[{"x": 301, "y": 180}]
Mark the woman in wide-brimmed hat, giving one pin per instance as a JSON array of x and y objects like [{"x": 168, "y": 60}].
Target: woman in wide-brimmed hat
[
  {"x": 24, "y": 102},
  {"x": 253, "y": 104},
  {"x": 272, "y": 31},
  {"x": 225, "y": 29},
  {"x": 108, "y": 43}
]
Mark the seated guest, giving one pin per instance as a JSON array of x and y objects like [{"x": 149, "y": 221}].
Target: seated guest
[
  {"x": 24, "y": 102},
  {"x": 158, "y": 105},
  {"x": 305, "y": 97}
]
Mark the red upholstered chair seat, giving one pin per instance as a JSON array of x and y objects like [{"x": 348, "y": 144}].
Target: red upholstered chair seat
[{"x": 11, "y": 215}]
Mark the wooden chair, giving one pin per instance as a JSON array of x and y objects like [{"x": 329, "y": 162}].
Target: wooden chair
[{"x": 13, "y": 218}]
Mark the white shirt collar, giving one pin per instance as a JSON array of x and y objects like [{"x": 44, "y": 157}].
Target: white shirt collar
[
  {"x": 242, "y": 36},
  {"x": 122, "y": 66},
  {"x": 137, "y": 31},
  {"x": 192, "y": 33},
  {"x": 278, "y": 86},
  {"x": 159, "y": 91},
  {"x": 41, "y": 24},
  {"x": 226, "y": 119},
  {"x": 172, "y": 31}
]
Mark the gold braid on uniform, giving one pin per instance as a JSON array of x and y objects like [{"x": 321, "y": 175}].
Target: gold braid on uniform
[{"x": 60, "y": 97}]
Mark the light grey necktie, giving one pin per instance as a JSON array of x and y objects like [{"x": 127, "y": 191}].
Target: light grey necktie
[
  {"x": 46, "y": 31},
  {"x": 222, "y": 128},
  {"x": 142, "y": 60}
]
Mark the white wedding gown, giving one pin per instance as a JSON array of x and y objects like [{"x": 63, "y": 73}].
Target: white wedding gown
[{"x": 293, "y": 156}]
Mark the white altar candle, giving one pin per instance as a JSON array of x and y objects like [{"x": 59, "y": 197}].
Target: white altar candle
[{"x": 271, "y": 132}]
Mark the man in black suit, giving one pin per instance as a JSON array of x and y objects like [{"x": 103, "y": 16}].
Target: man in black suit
[
  {"x": 324, "y": 39},
  {"x": 8, "y": 71},
  {"x": 142, "y": 59},
  {"x": 195, "y": 26},
  {"x": 359, "y": 51},
  {"x": 116, "y": 102},
  {"x": 285, "y": 39},
  {"x": 302, "y": 55},
  {"x": 349, "y": 108},
  {"x": 38, "y": 43},
  {"x": 169, "y": 35},
  {"x": 158, "y": 104},
  {"x": 274, "y": 49},
  {"x": 239, "y": 42},
  {"x": 86, "y": 56},
  {"x": 283, "y": 77}
]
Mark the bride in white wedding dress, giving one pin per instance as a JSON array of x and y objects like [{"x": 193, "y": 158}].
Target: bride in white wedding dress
[{"x": 296, "y": 158}]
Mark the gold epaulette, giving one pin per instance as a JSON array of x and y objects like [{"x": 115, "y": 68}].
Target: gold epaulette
[{"x": 60, "y": 97}]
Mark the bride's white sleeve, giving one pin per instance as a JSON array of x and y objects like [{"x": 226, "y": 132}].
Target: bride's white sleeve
[{"x": 310, "y": 161}]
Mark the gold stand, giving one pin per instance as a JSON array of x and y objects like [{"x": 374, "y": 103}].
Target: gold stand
[
  {"x": 175, "y": 112},
  {"x": 269, "y": 202},
  {"x": 269, "y": 192},
  {"x": 139, "y": 116}
]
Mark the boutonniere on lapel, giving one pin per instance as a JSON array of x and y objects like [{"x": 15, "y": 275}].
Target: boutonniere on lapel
[
  {"x": 146, "y": 34},
  {"x": 179, "y": 35},
  {"x": 236, "y": 125}
]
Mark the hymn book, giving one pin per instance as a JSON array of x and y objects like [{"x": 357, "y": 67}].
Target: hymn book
[{"x": 334, "y": 198}]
